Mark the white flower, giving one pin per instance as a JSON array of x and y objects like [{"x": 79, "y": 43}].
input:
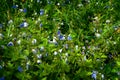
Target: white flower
[
  {"x": 83, "y": 47},
  {"x": 96, "y": 18},
  {"x": 66, "y": 59},
  {"x": 107, "y": 21},
  {"x": 21, "y": 10},
  {"x": 24, "y": 34},
  {"x": 80, "y": 5},
  {"x": 107, "y": 42},
  {"x": 39, "y": 56},
  {"x": 86, "y": 41},
  {"x": 60, "y": 50},
  {"x": 18, "y": 42},
  {"x": 76, "y": 47},
  {"x": 27, "y": 65},
  {"x": 58, "y": 4},
  {"x": 54, "y": 40},
  {"x": 1, "y": 35},
  {"x": 102, "y": 76},
  {"x": 10, "y": 21},
  {"x": 25, "y": 24},
  {"x": 97, "y": 35},
  {"x": 42, "y": 48},
  {"x": 34, "y": 41},
  {"x": 114, "y": 42},
  {"x": 84, "y": 58},
  {"x": 62, "y": 23},
  {"x": 11, "y": 35},
  {"x": 66, "y": 54},
  {"x": 39, "y": 61},
  {"x": 55, "y": 53},
  {"x": 34, "y": 51}
]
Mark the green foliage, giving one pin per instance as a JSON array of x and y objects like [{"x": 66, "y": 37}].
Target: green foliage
[{"x": 59, "y": 40}]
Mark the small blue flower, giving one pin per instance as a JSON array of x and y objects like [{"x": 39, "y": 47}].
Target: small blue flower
[
  {"x": 93, "y": 75},
  {"x": 24, "y": 10},
  {"x": 2, "y": 78},
  {"x": 20, "y": 69},
  {"x": 10, "y": 44},
  {"x": 41, "y": 11},
  {"x": 41, "y": 24},
  {"x": 59, "y": 32},
  {"x": 14, "y": 6},
  {"x": 61, "y": 37},
  {"x": 1, "y": 25},
  {"x": 24, "y": 24},
  {"x": 69, "y": 38}
]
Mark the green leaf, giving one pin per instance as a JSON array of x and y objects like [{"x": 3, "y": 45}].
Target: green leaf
[
  {"x": 45, "y": 78},
  {"x": 26, "y": 52},
  {"x": 103, "y": 56},
  {"x": 118, "y": 63}
]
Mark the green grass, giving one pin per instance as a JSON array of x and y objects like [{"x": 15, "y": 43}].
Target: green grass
[{"x": 75, "y": 40}]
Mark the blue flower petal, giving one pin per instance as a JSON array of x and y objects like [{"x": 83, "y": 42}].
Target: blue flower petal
[
  {"x": 94, "y": 76},
  {"x": 41, "y": 11},
  {"x": 59, "y": 32},
  {"x": 20, "y": 69},
  {"x": 61, "y": 37},
  {"x": 22, "y": 25},
  {"x": 41, "y": 24},
  {"x": 10, "y": 44},
  {"x": 14, "y": 6},
  {"x": 69, "y": 38},
  {"x": 24, "y": 10},
  {"x": 2, "y": 78}
]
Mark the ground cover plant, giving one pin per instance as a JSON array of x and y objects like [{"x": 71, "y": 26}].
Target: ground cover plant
[{"x": 59, "y": 40}]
